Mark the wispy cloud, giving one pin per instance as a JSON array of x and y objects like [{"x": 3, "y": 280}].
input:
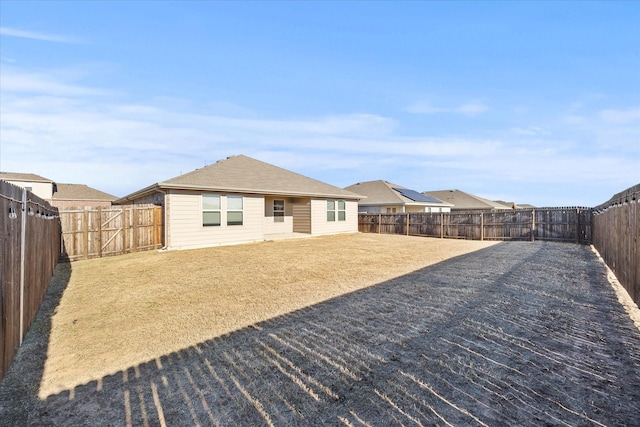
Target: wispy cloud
[
  {"x": 13, "y": 32},
  {"x": 467, "y": 109},
  {"x": 35, "y": 83},
  {"x": 74, "y": 133},
  {"x": 620, "y": 116},
  {"x": 529, "y": 131}
]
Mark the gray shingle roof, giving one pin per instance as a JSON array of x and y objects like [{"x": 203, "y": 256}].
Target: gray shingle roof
[
  {"x": 80, "y": 192},
  {"x": 462, "y": 200},
  {"x": 29, "y": 177},
  {"x": 383, "y": 193},
  {"x": 243, "y": 174}
]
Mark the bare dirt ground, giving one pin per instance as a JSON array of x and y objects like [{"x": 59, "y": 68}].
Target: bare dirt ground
[{"x": 344, "y": 330}]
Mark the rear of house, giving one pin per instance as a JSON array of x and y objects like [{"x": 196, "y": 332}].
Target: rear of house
[{"x": 240, "y": 200}]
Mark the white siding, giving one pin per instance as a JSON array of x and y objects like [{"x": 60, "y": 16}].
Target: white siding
[
  {"x": 187, "y": 231},
  {"x": 370, "y": 209},
  {"x": 320, "y": 225},
  {"x": 399, "y": 209},
  {"x": 43, "y": 190}
]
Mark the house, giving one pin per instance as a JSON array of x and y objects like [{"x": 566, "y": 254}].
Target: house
[
  {"x": 241, "y": 199},
  {"x": 70, "y": 196},
  {"x": 385, "y": 197},
  {"x": 465, "y": 201},
  {"x": 40, "y": 186}
]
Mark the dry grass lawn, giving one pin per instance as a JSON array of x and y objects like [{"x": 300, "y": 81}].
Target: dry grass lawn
[{"x": 121, "y": 311}]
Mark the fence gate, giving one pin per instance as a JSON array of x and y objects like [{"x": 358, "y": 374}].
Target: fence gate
[{"x": 98, "y": 232}]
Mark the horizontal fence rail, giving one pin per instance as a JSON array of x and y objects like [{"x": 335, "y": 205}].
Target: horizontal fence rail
[
  {"x": 570, "y": 224},
  {"x": 29, "y": 251},
  {"x": 616, "y": 235},
  {"x": 98, "y": 232}
]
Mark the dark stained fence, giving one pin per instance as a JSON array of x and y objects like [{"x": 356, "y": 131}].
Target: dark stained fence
[
  {"x": 564, "y": 224},
  {"x": 98, "y": 232},
  {"x": 29, "y": 252},
  {"x": 561, "y": 224},
  {"x": 616, "y": 235}
]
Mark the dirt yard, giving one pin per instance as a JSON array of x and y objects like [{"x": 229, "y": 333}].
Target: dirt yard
[{"x": 343, "y": 330}]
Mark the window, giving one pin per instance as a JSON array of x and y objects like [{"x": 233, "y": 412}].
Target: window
[
  {"x": 278, "y": 211},
  {"x": 342, "y": 210},
  {"x": 339, "y": 207},
  {"x": 331, "y": 210},
  {"x": 234, "y": 210},
  {"x": 210, "y": 210}
]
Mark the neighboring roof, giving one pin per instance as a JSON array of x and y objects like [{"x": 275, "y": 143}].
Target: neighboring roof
[
  {"x": 81, "y": 192},
  {"x": 462, "y": 200},
  {"x": 29, "y": 177},
  {"x": 242, "y": 174},
  {"x": 386, "y": 193}
]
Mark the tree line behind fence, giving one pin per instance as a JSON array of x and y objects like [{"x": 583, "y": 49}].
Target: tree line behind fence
[
  {"x": 561, "y": 224},
  {"x": 29, "y": 252}
]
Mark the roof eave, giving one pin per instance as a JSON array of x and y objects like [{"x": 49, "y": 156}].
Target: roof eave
[
  {"x": 170, "y": 186},
  {"x": 137, "y": 194}
]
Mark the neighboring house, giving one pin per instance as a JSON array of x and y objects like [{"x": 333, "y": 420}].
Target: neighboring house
[
  {"x": 385, "y": 197},
  {"x": 40, "y": 186},
  {"x": 465, "y": 201},
  {"x": 70, "y": 196},
  {"x": 242, "y": 199}
]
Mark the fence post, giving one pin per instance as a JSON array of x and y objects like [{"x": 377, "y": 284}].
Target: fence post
[
  {"x": 379, "y": 222},
  {"x": 407, "y": 223},
  {"x": 99, "y": 237},
  {"x": 134, "y": 226},
  {"x": 577, "y": 225},
  {"x": 158, "y": 221},
  {"x": 481, "y": 226},
  {"x": 533, "y": 224},
  {"x": 441, "y": 225},
  {"x": 23, "y": 240},
  {"x": 85, "y": 233}
]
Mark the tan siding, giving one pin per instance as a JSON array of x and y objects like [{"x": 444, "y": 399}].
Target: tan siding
[
  {"x": 321, "y": 226},
  {"x": 187, "y": 230},
  {"x": 301, "y": 216},
  {"x": 272, "y": 227}
]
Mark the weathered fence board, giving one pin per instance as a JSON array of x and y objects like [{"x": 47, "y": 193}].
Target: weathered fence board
[
  {"x": 562, "y": 224},
  {"x": 616, "y": 235},
  {"x": 98, "y": 232},
  {"x": 29, "y": 251}
]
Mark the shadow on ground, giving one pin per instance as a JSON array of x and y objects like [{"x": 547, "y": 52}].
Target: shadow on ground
[
  {"x": 517, "y": 334},
  {"x": 19, "y": 387}
]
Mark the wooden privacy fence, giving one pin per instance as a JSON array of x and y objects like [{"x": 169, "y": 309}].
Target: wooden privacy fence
[
  {"x": 97, "y": 232},
  {"x": 29, "y": 251},
  {"x": 562, "y": 224},
  {"x": 616, "y": 235}
]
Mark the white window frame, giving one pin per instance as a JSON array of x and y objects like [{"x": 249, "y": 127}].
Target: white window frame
[
  {"x": 278, "y": 213},
  {"x": 341, "y": 210},
  {"x": 336, "y": 210},
  {"x": 331, "y": 210},
  {"x": 235, "y": 210},
  {"x": 208, "y": 209}
]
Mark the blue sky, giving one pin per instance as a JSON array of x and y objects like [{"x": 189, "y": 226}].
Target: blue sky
[{"x": 533, "y": 102}]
